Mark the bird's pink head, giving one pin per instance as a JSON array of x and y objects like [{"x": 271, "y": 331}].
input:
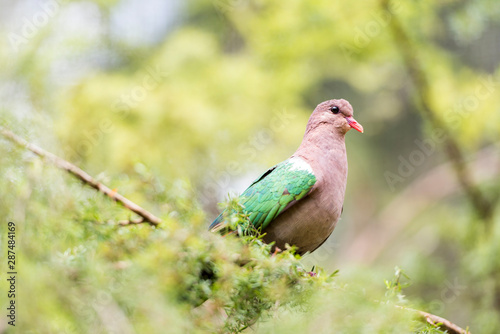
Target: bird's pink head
[{"x": 337, "y": 113}]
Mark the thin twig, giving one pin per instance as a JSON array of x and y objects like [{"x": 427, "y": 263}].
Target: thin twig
[
  {"x": 482, "y": 205},
  {"x": 437, "y": 321},
  {"x": 83, "y": 176}
]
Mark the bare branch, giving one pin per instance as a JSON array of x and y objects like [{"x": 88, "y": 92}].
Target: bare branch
[
  {"x": 443, "y": 323},
  {"x": 437, "y": 321},
  {"x": 83, "y": 176}
]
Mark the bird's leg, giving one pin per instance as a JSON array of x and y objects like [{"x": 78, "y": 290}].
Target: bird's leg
[{"x": 276, "y": 251}]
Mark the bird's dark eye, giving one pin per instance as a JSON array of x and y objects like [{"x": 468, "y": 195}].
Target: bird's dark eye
[{"x": 334, "y": 109}]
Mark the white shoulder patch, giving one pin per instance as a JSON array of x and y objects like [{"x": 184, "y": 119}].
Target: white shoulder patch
[{"x": 300, "y": 164}]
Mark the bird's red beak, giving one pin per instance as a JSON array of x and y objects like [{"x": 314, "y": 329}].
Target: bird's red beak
[{"x": 354, "y": 124}]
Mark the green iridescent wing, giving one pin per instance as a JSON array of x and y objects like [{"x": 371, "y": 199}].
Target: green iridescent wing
[{"x": 276, "y": 190}]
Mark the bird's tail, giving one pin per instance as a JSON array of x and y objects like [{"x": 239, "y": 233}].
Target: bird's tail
[{"x": 217, "y": 224}]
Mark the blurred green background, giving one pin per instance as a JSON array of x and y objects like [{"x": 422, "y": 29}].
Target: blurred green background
[{"x": 177, "y": 104}]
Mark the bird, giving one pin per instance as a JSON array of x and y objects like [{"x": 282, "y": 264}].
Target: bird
[{"x": 300, "y": 200}]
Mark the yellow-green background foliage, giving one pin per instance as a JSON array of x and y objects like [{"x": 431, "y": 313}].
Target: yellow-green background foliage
[{"x": 176, "y": 104}]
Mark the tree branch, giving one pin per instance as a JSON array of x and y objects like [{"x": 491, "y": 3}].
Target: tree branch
[
  {"x": 481, "y": 204},
  {"x": 84, "y": 177},
  {"x": 437, "y": 321},
  {"x": 380, "y": 229}
]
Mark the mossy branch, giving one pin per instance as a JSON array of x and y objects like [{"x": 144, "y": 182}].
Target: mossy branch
[
  {"x": 483, "y": 206},
  {"x": 146, "y": 216}
]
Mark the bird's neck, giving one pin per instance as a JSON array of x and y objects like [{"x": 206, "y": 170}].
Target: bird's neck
[{"x": 324, "y": 148}]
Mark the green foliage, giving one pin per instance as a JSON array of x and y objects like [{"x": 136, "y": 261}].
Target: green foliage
[
  {"x": 395, "y": 286},
  {"x": 91, "y": 276},
  {"x": 94, "y": 274},
  {"x": 166, "y": 268}
]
